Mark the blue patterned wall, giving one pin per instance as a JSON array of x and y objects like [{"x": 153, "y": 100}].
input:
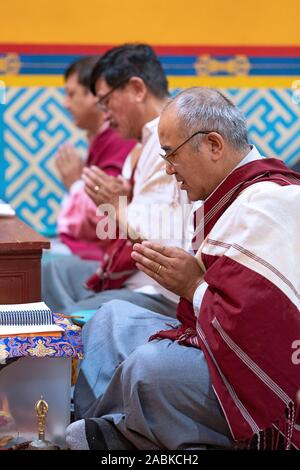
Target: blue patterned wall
[
  {"x": 34, "y": 123},
  {"x": 33, "y": 126},
  {"x": 273, "y": 121}
]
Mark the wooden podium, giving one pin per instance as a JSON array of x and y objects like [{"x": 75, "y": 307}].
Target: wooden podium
[{"x": 20, "y": 262}]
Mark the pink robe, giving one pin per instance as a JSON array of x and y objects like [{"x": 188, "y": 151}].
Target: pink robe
[{"x": 78, "y": 220}]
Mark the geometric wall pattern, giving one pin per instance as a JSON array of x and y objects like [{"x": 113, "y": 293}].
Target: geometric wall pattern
[
  {"x": 34, "y": 124},
  {"x": 273, "y": 121}
]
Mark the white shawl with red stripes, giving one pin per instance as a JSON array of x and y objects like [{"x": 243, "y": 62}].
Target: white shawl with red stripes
[{"x": 249, "y": 319}]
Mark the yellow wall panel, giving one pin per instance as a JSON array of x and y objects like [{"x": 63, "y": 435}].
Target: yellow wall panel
[{"x": 222, "y": 22}]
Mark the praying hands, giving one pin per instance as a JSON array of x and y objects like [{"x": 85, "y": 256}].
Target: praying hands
[
  {"x": 103, "y": 188},
  {"x": 171, "y": 267},
  {"x": 69, "y": 165}
]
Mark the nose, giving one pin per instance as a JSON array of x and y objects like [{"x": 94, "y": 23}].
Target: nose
[
  {"x": 107, "y": 115},
  {"x": 170, "y": 170}
]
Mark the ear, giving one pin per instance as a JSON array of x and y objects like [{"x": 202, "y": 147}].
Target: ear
[
  {"x": 215, "y": 143},
  {"x": 138, "y": 88}
]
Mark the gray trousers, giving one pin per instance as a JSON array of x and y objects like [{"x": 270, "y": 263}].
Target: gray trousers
[
  {"x": 63, "y": 288},
  {"x": 157, "y": 394}
]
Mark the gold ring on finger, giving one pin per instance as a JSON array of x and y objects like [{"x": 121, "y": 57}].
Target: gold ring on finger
[{"x": 158, "y": 269}]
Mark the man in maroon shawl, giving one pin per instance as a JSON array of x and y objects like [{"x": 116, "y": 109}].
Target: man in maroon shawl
[{"x": 226, "y": 372}]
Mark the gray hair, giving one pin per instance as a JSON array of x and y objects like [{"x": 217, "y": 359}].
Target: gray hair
[{"x": 201, "y": 108}]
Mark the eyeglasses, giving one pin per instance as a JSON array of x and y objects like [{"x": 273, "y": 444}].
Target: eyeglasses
[
  {"x": 103, "y": 101},
  {"x": 167, "y": 156}
]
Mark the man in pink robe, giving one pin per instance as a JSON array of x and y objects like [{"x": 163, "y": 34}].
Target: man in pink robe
[{"x": 77, "y": 220}]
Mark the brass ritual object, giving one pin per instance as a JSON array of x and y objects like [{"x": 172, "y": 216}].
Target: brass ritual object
[{"x": 41, "y": 408}]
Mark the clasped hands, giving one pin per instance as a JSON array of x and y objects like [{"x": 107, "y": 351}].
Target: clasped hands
[
  {"x": 68, "y": 164},
  {"x": 103, "y": 188},
  {"x": 171, "y": 267}
]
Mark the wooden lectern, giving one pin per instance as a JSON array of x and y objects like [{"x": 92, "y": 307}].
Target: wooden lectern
[{"x": 21, "y": 251}]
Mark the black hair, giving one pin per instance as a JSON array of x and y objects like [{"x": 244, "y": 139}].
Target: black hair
[
  {"x": 121, "y": 63},
  {"x": 83, "y": 68}
]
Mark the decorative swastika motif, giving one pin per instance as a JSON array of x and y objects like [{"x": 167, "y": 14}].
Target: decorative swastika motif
[
  {"x": 35, "y": 125},
  {"x": 273, "y": 121}
]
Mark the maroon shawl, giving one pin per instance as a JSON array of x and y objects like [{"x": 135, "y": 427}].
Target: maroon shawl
[
  {"x": 117, "y": 265},
  {"x": 245, "y": 328}
]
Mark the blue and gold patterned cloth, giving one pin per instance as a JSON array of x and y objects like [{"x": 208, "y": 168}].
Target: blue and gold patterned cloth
[{"x": 68, "y": 345}]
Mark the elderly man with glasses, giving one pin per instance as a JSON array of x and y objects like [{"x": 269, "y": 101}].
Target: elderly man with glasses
[
  {"x": 224, "y": 373},
  {"x": 77, "y": 220}
]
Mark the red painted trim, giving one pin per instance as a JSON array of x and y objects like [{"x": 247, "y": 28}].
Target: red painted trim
[
  {"x": 53, "y": 48},
  {"x": 258, "y": 51}
]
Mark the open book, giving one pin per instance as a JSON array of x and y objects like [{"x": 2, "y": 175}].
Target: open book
[{"x": 28, "y": 320}]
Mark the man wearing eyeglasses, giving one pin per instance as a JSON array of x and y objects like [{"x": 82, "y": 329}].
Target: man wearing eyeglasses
[
  {"x": 77, "y": 221},
  {"x": 132, "y": 89},
  {"x": 223, "y": 372}
]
